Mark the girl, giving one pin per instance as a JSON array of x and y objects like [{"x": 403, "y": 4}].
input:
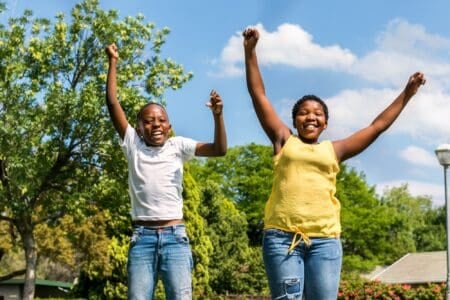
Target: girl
[{"x": 301, "y": 247}]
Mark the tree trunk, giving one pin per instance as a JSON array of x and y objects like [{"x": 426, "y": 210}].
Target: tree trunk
[{"x": 31, "y": 258}]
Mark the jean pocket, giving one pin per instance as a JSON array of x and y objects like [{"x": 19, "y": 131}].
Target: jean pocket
[
  {"x": 330, "y": 249},
  {"x": 135, "y": 236},
  {"x": 181, "y": 235}
]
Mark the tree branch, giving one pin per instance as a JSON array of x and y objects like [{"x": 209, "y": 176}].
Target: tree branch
[
  {"x": 3, "y": 175},
  {"x": 60, "y": 162},
  {"x": 50, "y": 218},
  {"x": 7, "y": 219},
  {"x": 83, "y": 62}
]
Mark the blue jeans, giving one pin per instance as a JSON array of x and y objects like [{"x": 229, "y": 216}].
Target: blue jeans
[
  {"x": 312, "y": 270},
  {"x": 163, "y": 252}
]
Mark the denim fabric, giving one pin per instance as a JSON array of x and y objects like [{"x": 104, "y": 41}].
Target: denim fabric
[
  {"x": 312, "y": 271},
  {"x": 159, "y": 253}
]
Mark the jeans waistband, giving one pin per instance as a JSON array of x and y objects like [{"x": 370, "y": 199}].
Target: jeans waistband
[{"x": 159, "y": 228}]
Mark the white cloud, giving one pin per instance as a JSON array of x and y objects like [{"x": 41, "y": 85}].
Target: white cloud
[
  {"x": 402, "y": 49},
  {"x": 418, "y": 156},
  {"x": 291, "y": 45},
  {"x": 404, "y": 36},
  {"x": 417, "y": 188},
  {"x": 232, "y": 53},
  {"x": 288, "y": 45},
  {"x": 351, "y": 110},
  {"x": 426, "y": 117}
]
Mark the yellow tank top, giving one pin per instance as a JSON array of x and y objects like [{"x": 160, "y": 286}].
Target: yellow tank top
[{"x": 303, "y": 191}]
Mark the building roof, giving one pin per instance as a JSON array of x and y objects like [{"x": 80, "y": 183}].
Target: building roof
[
  {"x": 415, "y": 268},
  {"x": 42, "y": 282}
]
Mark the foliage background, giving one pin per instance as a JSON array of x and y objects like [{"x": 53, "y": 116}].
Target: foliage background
[{"x": 63, "y": 194}]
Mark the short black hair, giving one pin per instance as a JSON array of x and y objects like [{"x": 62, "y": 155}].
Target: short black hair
[
  {"x": 305, "y": 98},
  {"x": 138, "y": 116}
]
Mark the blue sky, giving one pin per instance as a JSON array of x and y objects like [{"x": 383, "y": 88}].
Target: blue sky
[{"x": 356, "y": 55}]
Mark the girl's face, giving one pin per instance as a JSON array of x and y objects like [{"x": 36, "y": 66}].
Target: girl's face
[
  {"x": 154, "y": 126},
  {"x": 310, "y": 121}
]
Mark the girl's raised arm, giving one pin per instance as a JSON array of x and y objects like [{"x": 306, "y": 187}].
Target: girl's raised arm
[
  {"x": 356, "y": 143},
  {"x": 274, "y": 127}
]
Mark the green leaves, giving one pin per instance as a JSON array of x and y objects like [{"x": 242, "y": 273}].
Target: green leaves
[
  {"x": 245, "y": 176},
  {"x": 58, "y": 148},
  {"x": 52, "y": 81}
]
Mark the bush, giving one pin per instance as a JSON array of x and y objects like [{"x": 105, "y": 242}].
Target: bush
[{"x": 357, "y": 288}]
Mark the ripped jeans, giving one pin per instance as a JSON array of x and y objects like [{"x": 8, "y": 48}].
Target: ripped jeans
[
  {"x": 163, "y": 252},
  {"x": 311, "y": 271}
]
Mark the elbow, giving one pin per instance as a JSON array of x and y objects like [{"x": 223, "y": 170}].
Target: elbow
[
  {"x": 221, "y": 145},
  {"x": 222, "y": 151},
  {"x": 378, "y": 129}
]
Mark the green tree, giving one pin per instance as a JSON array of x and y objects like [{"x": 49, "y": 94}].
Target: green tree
[
  {"x": 379, "y": 230},
  {"x": 432, "y": 236},
  {"x": 364, "y": 221},
  {"x": 245, "y": 177},
  {"x": 416, "y": 225},
  {"x": 200, "y": 242},
  {"x": 52, "y": 78},
  {"x": 234, "y": 266}
]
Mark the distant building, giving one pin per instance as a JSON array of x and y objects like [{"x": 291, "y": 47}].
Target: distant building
[
  {"x": 12, "y": 289},
  {"x": 415, "y": 268}
]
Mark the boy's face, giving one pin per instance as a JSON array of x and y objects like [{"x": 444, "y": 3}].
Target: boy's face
[{"x": 154, "y": 126}]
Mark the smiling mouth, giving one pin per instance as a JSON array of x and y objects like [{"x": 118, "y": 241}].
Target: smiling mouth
[
  {"x": 310, "y": 126},
  {"x": 156, "y": 134}
]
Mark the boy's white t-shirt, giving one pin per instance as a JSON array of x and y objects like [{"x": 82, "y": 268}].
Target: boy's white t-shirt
[{"x": 155, "y": 176}]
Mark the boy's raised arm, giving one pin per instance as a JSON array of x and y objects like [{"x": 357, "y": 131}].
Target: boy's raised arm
[
  {"x": 116, "y": 112},
  {"x": 219, "y": 146}
]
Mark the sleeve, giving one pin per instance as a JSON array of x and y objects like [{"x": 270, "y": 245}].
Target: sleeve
[
  {"x": 129, "y": 140},
  {"x": 187, "y": 147}
]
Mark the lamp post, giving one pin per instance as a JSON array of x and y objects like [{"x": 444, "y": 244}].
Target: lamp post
[{"x": 443, "y": 155}]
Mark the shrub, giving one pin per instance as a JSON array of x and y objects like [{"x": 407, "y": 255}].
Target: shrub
[{"x": 357, "y": 288}]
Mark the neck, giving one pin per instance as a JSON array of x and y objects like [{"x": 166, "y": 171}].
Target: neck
[{"x": 308, "y": 141}]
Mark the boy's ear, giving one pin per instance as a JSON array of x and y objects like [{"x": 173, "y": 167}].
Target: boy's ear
[{"x": 138, "y": 131}]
